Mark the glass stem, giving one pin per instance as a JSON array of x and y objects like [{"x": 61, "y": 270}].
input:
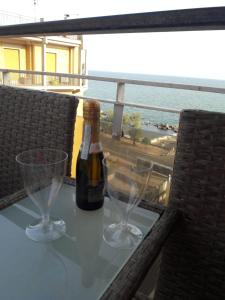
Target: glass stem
[
  {"x": 45, "y": 219},
  {"x": 125, "y": 220}
]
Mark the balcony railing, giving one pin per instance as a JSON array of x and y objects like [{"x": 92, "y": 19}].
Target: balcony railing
[
  {"x": 8, "y": 18},
  {"x": 207, "y": 18},
  {"x": 39, "y": 80},
  {"x": 34, "y": 79}
]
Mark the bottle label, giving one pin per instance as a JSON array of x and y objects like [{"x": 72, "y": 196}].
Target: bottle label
[
  {"x": 95, "y": 194},
  {"x": 86, "y": 142},
  {"x": 95, "y": 148}
]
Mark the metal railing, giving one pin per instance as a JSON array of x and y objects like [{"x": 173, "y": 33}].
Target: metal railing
[
  {"x": 119, "y": 103},
  {"x": 39, "y": 79},
  {"x": 206, "y": 18},
  {"x": 8, "y": 18}
]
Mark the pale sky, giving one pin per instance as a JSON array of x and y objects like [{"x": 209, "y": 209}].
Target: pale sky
[{"x": 190, "y": 54}]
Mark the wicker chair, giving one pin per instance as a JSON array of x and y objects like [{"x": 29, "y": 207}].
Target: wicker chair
[
  {"x": 193, "y": 256},
  {"x": 32, "y": 119},
  {"x": 193, "y": 260}
]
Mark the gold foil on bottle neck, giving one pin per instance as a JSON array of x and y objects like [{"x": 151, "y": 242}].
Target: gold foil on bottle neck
[{"x": 91, "y": 110}]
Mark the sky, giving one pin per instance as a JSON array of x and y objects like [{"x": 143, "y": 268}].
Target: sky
[{"x": 188, "y": 54}]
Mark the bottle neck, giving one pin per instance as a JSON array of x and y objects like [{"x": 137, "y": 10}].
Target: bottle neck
[
  {"x": 92, "y": 128},
  {"x": 90, "y": 142}
]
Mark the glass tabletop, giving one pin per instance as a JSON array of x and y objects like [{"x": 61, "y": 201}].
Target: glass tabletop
[{"x": 80, "y": 265}]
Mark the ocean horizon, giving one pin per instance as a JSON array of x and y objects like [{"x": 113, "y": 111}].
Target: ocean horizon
[{"x": 162, "y": 97}]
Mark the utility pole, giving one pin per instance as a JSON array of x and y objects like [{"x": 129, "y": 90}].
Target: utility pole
[{"x": 35, "y": 10}]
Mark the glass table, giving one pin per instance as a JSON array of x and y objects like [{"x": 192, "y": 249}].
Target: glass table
[{"x": 80, "y": 265}]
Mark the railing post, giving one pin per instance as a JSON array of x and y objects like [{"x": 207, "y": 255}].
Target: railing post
[
  {"x": 44, "y": 46},
  {"x": 118, "y": 111},
  {"x": 5, "y": 78}
]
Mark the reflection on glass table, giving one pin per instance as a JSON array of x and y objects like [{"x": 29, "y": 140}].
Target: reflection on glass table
[{"x": 79, "y": 265}]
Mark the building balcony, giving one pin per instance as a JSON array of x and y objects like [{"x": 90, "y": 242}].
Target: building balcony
[{"x": 36, "y": 80}]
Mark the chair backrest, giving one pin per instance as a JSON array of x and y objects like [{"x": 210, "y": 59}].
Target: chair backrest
[
  {"x": 32, "y": 119},
  {"x": 193, "y": 260}
]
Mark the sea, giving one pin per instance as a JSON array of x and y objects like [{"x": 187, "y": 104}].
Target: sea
[{"x": 156, "y": 96}]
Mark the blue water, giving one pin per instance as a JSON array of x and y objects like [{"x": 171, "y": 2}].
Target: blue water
[{"x": 171, "y": 98}]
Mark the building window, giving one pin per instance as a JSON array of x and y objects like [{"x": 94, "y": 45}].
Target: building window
[
  {"x": 12, "y": 58},
  {"x": 12, "y": 61},
  {"x": 51, "y": 67}
]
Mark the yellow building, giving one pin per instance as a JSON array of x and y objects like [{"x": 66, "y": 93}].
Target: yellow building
[{"x": 51, "y": 54}]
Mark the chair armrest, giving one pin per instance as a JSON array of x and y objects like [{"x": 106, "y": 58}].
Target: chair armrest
[
  {"x": 19, "y": 195},
  {"x": 140, "y": 296},
  {"x": 12, "y": 198}
]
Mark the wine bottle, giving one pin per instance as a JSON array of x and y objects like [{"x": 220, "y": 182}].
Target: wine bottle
[{"x": 89, "y": 171}]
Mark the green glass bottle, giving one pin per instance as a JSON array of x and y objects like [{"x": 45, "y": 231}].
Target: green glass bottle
[{"x": 89, "y": 171}]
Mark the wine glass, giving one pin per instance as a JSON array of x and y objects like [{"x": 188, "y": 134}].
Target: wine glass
[
  {"x": 125, "y": 184},
  {"x": 43, "y": 171}
]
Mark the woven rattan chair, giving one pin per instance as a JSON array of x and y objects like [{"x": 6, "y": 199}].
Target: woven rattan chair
[
  {"x": 32, "y": 119},
  {"x": 193, "y": 254},
  {"x": 193, "y": 260}
]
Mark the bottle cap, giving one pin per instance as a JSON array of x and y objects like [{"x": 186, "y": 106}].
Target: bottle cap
[{"x": 91, "y": 110}]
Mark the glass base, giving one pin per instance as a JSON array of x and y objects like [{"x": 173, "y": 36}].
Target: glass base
[
  {"x": 46, "y": 232},
  {"x": 122, "y": 236}
]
